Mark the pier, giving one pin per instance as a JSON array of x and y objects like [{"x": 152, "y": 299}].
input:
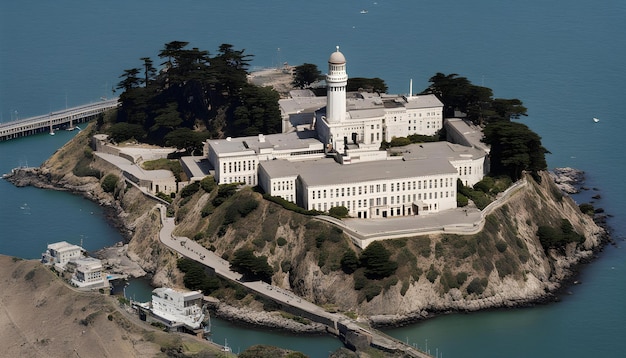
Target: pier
[{"x": 64, "y": 119}]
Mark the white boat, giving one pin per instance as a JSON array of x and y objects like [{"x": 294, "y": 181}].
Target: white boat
[
  {"x": 596, "y": 119},
  {"x": 363, "y": 11}
]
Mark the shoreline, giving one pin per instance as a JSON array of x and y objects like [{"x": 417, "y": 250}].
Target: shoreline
[{"x": 250, "y": 318}]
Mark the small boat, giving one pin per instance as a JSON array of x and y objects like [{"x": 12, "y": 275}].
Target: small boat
[
  {"x": 596, "y": 120},
  {"x": 363, "y": 11}
]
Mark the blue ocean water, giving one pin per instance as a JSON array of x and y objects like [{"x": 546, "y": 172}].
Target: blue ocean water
[{"x": 563, "y": 59}]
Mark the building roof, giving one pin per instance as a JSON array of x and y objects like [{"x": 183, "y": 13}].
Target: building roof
[
  {"x": 472, "y": 133},
  {"x": 88, "y": 263},
  {"x": 423, "y": 101},
  {"x": 337, "y": 57},
  {"x": 63, "y": 246},
  {"x": 328, "y": 172},
  {"x": 186, "y": 295},
  {"x": 439, "y": 150},
  {"x": 254, "y": 144}
]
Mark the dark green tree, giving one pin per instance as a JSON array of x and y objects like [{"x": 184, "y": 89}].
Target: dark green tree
[
  {"x": 257, "y": 112},
  {"x": 129, "y": 80},
  {"x": 366, "y": 84},
  {"x": 306, "y": 74},
  {"x": 148, "y": 70},
  {"x": 514, "y": 149},
  {"x": 187, "y": 139},
  {"x": 251, "y": 266},
  {"x": 349, "y": 262},
  {"x": 375, "y": 259}
]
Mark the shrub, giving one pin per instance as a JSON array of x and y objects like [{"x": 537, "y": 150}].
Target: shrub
[
  {"x": 245, "y": 262},
  {"x": 372, "y": 291},
  {"x": 165, "y": 197},
  {"x": 505, "y": 267},
  {"x": 485, "y": 185},
  {"x": 501, "y": 246},
  {"x": 432, "y": 274},
  {"x": 399, "y": 142},
  {"x": 338, "y": 212},
  {"x": 208, "y": 184},
  {"x": 190, "y": 189},
  {"x": 476, "y": 286},
  {"x": 207, "y": 209},
  {"x": 586, "y": 208},
  {"x": 109, "y": 183},
  {"x": 83, "y": 169},
  {"x": 551, "y": 237},
  {"x": 461, "y": 200},
  {"x": 349, "y": 262},
  {"x": 360, "y": 281},
  {"x": 375, "y": 259},
  {"x": 288, "y": 205}
]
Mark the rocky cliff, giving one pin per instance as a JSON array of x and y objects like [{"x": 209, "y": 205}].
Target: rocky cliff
[{"x": 504, "y": 265}]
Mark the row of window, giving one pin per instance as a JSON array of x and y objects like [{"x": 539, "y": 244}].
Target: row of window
[
  {"x": 378, "y": 188},
  {"x": 238, "y": 166},
  {"x": 249, "y": 180},
  {"x": 282, "y": 185},
  {"x": 353, "y": 205}
]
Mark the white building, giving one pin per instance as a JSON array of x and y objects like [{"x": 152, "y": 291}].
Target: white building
[
  {"x": 335, "y": 159},
  {"x": 360, "y": 121},
  {"x": 60, "y": 253},
  {"x": 469, "y": 162},
  {"x": 236, "y": 160},
  {"x": 373, "y": 189},
  {"x": 178, "y": 309},
  {"x": 87, "y": 273}
]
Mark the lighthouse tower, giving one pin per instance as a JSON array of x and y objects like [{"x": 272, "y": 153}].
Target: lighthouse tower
[{"x": 336, "y": 81}]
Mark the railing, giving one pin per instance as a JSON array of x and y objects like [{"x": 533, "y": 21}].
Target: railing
[{"x": 55, "y": 120}]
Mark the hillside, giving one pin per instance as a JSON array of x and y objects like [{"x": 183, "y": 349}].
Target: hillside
[
  {"x": 504, "y": 265},
  {"x": 43, "y": 317}
]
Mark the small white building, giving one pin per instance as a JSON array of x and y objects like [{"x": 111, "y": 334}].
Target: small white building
[
  {"x": 178, "y": 309},
  {"x": 236, "y": 160},
  {"x": 87, "y": 273},
  {"x": 60, "y": 253}
]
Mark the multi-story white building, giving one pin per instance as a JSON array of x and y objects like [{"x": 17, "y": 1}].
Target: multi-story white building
[
  {"x": 335, "y": 159},
  {"x": 60, "y": 253},
  {"x": 373, "y": 189},
  {"x": 88, "y": 273},
  {"x": 177, "y": 308}
]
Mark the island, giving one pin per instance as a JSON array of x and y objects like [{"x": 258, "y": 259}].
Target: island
[{"x": 376, "y": 209}]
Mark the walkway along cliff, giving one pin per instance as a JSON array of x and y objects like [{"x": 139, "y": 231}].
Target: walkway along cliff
[
  {"x": 353, "y": 335},
  {"x": 504, "y": 265}
]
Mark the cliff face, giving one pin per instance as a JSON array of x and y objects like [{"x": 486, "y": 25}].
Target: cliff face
[{"x": 504, "y": 265}]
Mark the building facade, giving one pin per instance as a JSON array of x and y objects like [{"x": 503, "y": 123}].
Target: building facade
[
  {"x": 177, "y": 308},
  {"x": 60, "y": 253},
  {"x": 335, "y": 160}
]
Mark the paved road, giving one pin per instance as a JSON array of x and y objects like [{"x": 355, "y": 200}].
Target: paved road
[{"x": 197, "y": 252}]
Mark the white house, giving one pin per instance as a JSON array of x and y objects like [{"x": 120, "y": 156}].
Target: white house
[
  {"x": 88, "y": 273},
  {"x": 60, "y": 253},
  {"x": 178, "y": 309}
]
